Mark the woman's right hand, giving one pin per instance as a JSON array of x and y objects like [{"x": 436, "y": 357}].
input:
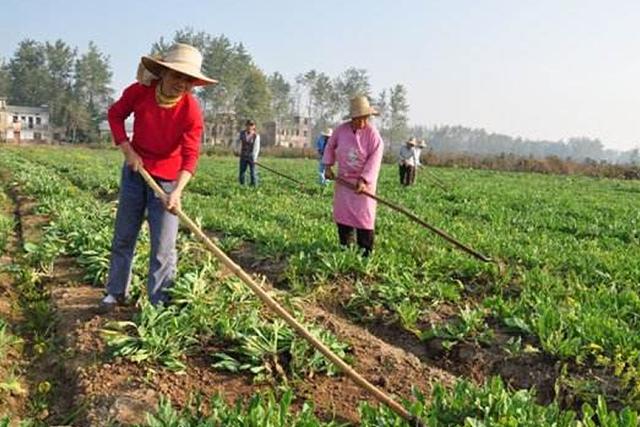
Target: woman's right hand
[{"x": 132, "y": 158}]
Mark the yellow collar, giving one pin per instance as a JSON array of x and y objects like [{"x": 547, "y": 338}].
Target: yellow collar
[{"x": 165, "y": 101}]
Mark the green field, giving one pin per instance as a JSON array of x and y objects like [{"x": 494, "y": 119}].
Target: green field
[{"x": 567, "y": 305}]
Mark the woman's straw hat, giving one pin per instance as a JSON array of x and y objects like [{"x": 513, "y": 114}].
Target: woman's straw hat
[
  {"x": 359, "y": 107},
  {"x": 412, "y": 141},
  {"x": 327, "y": 132},
  {"x": 183, "y": 58}
]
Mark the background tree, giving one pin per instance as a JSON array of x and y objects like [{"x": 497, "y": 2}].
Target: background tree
[
  {"x": 281, "y": 97},
  {"x": 384, "y": 117},
  {"x": 77, "y": 119},
  {"x": 326, "y": 102},
  {"x": 198, "y": 39},
  {"x": 305, "y": 83},
  {"x": 28, "y": 76},
  {"x": 5, "y": 83},
  {"x": 92, "y": 87},
  {"x": 398, "y": 114},
  {"x": 254, "y": 100},
  {"x": 231, "y": 65},
  {"x": 78, "y": 93},
  {"x": 60, "y": 59}
]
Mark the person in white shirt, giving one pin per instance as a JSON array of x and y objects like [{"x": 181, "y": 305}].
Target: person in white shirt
[
  {"x": 408, "y": 160},
  {"x": 422, "y": 144}
]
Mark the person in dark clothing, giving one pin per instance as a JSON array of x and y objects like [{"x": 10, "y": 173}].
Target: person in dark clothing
[{"x": 248, "y": 148}]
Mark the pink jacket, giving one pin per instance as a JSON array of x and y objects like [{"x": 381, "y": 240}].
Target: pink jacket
[{"x": 358, "y": 155}]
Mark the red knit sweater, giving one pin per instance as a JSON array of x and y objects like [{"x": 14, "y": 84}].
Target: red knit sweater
[{"x": 167, "y": 139}]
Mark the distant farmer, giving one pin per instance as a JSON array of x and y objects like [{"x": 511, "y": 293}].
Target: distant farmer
[
  {"x": 167, "y": 130},
  {"x": 321, "y": 143},
  {"x": 248, "y": 148},
  {"x": 422, "y": 144},
  {"x": 408, "y": 160},
  {"x": 356, "y": 146}
]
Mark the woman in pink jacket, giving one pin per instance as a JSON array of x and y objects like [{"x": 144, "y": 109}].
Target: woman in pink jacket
[{"x": 356, "y": 146}]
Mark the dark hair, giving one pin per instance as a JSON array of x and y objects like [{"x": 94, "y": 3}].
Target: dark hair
[{"x": 250, "y": 123}]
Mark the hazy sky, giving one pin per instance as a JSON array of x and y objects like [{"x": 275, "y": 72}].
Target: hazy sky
[{"x": 536, "y": 69}]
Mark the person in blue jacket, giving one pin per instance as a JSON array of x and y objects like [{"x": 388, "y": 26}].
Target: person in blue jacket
[{"x": 321, "y": 143}]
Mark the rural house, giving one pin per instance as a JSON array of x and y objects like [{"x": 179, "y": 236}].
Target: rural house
[
  {"x": 292, "y": 133},
  {"x": 21, "y": 123}
]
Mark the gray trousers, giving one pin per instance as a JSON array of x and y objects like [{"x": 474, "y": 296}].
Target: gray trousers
[{"x": 136, "y": 198}]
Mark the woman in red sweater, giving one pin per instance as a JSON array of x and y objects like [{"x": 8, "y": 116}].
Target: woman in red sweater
[{"x": 167, "y": 129}]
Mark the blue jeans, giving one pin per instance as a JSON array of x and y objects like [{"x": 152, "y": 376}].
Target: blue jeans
[
  {"x": 252, "y": 171},
  {"x": 135, "y": 198}
]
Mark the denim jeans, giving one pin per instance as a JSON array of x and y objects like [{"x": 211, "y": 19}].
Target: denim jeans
[
  {"x": 136, "y": 198},
  {"x": 244, "y": 163}
]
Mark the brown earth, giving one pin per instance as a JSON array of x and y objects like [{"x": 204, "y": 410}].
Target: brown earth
[{"x": 14, "y": 362}]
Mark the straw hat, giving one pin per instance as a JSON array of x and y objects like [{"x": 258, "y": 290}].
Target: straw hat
[
  {"x": 183, "y": 58},
  {"x": 359, "y": 107},
  {"x": 412, "y": 142},
  {"x": 326, "y": 132}
]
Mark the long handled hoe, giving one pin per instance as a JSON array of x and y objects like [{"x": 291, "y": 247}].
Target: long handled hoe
[
  {"x": 426, "y": 225},
  {"x": 436, "y": 180},
  {"x": 303, "y": 188},
  {"x": 406, "y": 212},
  {"x": 284, "y": 314}
]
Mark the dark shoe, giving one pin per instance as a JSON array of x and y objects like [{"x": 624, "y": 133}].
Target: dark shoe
[{"x": 110, "y": 302}]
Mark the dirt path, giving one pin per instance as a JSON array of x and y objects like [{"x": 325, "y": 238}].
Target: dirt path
[
  {"x": 52, "y": 387},
  {"x": 13, "y": 363}
]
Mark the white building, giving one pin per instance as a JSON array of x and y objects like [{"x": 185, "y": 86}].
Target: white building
[
  {"x": 18, "y": 123},
  {"x": 293, "y": 133}
]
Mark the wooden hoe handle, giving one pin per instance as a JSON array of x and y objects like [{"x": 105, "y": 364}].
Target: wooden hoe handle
[{"x": 283, "y": 313}]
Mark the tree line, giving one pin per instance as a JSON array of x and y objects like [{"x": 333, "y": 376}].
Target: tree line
[
  {"x": 479, "y": 142},
  {"x": 77, "y": 87}
]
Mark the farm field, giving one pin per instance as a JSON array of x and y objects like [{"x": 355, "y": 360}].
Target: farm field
[{"x": 552, "y": 340}]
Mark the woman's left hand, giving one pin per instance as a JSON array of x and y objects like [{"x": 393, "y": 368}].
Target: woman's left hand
[{"x": 173, "y": 201}]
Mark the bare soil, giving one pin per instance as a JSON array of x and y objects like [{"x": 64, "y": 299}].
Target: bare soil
[{"x": 13, "y": 362}]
